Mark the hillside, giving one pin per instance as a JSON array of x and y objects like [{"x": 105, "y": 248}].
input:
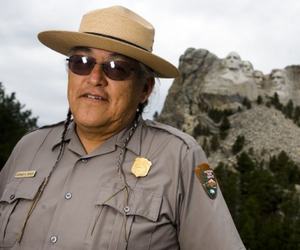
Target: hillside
[{"x": 208, "y": 84}]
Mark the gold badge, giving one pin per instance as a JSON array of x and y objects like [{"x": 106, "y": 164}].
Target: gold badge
[
  {"x": 25, "y": 174},
  {"x": 208, "y": 179},
  {"x": 140, "y": 167}
]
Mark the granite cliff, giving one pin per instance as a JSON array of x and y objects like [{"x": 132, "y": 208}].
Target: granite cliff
[{"x": 256, "y": 106}]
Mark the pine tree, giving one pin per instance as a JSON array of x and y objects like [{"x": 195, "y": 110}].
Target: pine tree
[
  {"x": 224, "y": 127},
  {"x": 214, "y": 142},
  {"x": 14, "y": 123},
  {"x": 238, "y": 144}
]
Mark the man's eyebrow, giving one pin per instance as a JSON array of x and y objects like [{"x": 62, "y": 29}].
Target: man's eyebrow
[
  {"x": 111, "y": 56},
  {"x": 119, "y": 56},
  {"x": 83, "y": 49}
]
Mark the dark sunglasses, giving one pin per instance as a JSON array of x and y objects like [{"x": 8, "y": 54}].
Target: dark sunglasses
[{"x": 115, "y": 70}]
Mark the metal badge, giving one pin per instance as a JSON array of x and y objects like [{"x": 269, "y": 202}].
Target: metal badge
[
  {"x": 25, "y": 174},
  {"x": 208, "y": 179},
  {"x": 140, "y": 167}
]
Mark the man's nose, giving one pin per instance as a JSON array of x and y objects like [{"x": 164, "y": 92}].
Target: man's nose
[{"x": 97, "y": 76}]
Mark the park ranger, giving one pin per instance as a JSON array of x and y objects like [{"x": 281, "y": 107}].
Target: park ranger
[{"x": 105, "y": 178}]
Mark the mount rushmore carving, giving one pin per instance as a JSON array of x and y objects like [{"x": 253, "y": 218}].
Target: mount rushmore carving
[
  {"x": 207, "y": 81},
  {"x": 232, "y": 75}
]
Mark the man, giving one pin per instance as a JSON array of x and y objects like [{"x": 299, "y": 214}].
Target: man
[
  {"x": 279, "y": 86},
  {"x": 247, "y": 68},
  {"x": 233, "y": 61},
  {"x": 259, "y": 78},
  {"x": 108, "y": 179}
]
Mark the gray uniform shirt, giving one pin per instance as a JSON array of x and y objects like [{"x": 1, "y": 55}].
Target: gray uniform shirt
[{"x": 84, "y": 206}]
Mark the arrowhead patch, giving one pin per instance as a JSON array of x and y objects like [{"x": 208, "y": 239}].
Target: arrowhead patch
[{"x": 208, "y": 179}]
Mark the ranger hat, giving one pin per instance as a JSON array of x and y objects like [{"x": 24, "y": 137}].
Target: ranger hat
[{"x": 114, "y": 29}]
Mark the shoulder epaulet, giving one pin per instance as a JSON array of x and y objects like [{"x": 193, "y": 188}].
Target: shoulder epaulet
[
  {"x": 189, "y": 140},
  {"x": 47, "y": 126}
]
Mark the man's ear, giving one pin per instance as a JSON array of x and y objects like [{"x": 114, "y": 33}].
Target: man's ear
[{"x": 147, "y": 88}]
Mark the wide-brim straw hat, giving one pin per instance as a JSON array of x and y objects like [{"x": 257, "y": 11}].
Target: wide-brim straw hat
[{"x": 114, "y": 29}]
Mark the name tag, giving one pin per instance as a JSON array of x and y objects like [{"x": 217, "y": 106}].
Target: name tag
[{"x": 25, "y": 174}]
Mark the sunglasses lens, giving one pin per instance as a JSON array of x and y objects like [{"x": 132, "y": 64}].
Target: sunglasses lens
[
  {"x": 81, "y": 65},
  {"x": 115, "y": 70}
]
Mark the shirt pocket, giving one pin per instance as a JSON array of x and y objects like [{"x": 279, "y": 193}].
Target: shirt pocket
[
  {"x": 14, "y": 205},
  {"x": 118, "y": 219}
]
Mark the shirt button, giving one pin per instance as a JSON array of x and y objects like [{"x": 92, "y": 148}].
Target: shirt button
[
  {"x": 84, "y": 160},
  {"x": 126, "y": 209},
  {"x": 53, "y": 239},
  {"x": 12, "y": 196},
  {"x": 68, "y": 196}
]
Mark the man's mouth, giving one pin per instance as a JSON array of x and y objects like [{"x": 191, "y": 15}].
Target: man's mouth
[{"x": 94, "y": 97}]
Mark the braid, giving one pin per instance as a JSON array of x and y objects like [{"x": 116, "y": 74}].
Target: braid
[
  {"x": 46, "y": 180},
  {"x": 66, "y": 124}
]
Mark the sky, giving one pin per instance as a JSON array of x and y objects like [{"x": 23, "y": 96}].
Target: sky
[{"x": 266, "y": 33}]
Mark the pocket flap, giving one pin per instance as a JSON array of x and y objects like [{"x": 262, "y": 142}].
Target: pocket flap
[
  {"x": 21, "y": 189},
  {"x": 141, "y": 202}
]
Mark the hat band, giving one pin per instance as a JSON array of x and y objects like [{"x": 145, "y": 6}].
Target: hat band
[{"x": 117, "y": 39}]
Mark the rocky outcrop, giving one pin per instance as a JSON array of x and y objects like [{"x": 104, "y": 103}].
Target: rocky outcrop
[{"x": 208, "y": 82}]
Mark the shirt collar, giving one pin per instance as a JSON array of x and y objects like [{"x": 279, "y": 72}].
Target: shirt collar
[
  {"x": 134, "y": 143},
  {"x": 109, "y": 145}
]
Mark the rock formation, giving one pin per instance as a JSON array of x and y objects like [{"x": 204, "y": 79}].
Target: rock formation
[{"x": 208, "y": 82}]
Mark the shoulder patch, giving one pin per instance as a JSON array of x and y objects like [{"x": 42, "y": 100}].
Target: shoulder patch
[{"x": 208, "y": 179}]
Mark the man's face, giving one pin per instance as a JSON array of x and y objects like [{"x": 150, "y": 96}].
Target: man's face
[
  {"x": 233, "y": 61},
  {"x": 247, "y": 68},
  {"x": 100, "y": 103},
  {"x": 277, "y": 79},
  {"x": 258, "y": 78}
]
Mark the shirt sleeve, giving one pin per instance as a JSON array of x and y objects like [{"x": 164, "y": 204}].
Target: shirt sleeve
[
  {"x": 4, "y": 175},
  {"x": 205, "y": 222}
]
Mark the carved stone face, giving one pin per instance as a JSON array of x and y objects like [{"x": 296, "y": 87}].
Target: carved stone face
[
  {"x": 233, "y": 61},
  {"x": 258, "y": 78},
  {"x": 247, "y": 68},
  {"x": 278, "y": 80}
]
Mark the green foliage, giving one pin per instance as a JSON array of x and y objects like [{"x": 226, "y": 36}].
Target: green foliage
[
  {"x": 201, "y": 130},
  {"x": 296, "y": 116},
  {"x": 238, "y": 144},
  {"x": 285, "y": 171},
  {"x": 224, "y": 127},
  {"x": 217, "y": 115},
  {"x": 14, "y": 123},
  {"x": 244, "y": 163},
  {"x": 230, "y": 190},
  {"x": 264, "y": 203},
  {"x": 259, "y": 100},
  {"x": 288, "y": 109},
  {"x": 251, "y": 151},
  {"x": 247, "y": 103},
  {"x": 276, "y": 102},
  {"x": 214, "y": 142}
]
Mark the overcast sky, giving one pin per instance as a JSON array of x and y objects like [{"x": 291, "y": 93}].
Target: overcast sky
[{"x": 266, "y": 33}]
